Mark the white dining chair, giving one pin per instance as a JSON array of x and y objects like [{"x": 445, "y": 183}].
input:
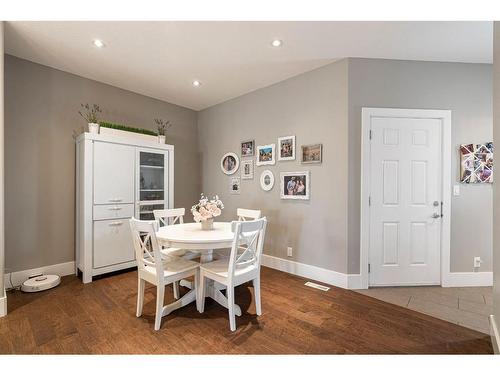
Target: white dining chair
[
  {"x": 244, "y": 214},
  {"x": 173, "y": 216},
  {"x": 153, "y": 267},
  {"x": 241, "y": 267}
]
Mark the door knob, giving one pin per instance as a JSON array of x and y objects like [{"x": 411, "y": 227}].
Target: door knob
[{"x": 435, "y": 215}]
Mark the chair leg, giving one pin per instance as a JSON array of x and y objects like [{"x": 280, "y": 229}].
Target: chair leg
[
  {"x": 176, "y": 289},
  {"x": 160, "y": 294},
  {"x": 230, "y": 307},
  {"x": 256, "y": 290},
  {"x": 140, "y": 296},
  {"x": 201, "y": 293},
  {"x": 196, "y": 289}
]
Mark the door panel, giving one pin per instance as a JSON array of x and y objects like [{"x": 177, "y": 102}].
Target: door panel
[
  {"x": 112, "y": 243},
  {"x": 113, "y": 173},
  {"x": 405, "y": 175}
]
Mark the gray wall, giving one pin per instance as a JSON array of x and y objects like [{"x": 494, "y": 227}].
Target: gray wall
[
  {"x": 466, "y": 89},
  {"x": 313, "y": 107},
  {"x": 41, "y": 119},
  {"x": 496, "y": 199}
]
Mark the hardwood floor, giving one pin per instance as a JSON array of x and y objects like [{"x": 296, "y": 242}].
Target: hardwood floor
[{"x": 100, "y": 318}]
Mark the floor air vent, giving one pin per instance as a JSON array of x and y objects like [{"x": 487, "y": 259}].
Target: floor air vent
[{"x": 317, "y": 286}]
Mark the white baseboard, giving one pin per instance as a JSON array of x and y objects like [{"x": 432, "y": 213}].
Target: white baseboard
[
  {"x": 18, "y": 277},
  {"x": 495, "y": 334},
  {"x": 3, "y": 305},
  {"x": 457, "y": 279},
  {"x": 323, "y": 275}
]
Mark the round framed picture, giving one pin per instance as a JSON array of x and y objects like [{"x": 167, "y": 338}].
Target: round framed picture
[
  {"x": 229, "y": 163},
  {"x": 267, "y": 180}
]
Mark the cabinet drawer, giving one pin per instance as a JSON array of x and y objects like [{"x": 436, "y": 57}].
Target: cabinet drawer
[
  {"x": 113, "y": 211},
  {"x": 112, "y": 243}
]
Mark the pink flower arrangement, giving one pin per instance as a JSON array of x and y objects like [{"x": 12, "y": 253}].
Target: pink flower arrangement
[{"x": 207, "y": 209}]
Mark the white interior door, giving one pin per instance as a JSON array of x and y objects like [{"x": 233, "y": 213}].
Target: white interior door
[{"x": 405, "y": 201}]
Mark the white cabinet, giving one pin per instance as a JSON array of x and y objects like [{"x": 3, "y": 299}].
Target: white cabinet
[{"x": 117, "y": 178}]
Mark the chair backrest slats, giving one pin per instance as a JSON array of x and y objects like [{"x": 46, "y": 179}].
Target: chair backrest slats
[
  {"x": 248, "y": 237},
  {"x": 147, "y": 249},
  {"x": 169, "y": 216},
  {"x": 245, "y": 214}
]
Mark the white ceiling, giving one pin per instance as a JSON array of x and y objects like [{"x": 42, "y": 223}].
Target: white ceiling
[{"x": 161, "y": 59}]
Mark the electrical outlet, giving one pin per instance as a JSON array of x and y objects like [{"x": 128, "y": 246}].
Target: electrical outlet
[
  {"x": 456, "y": 190},
  {"x": 289, "y": 251},
  {"x": 477, "y": 262}
]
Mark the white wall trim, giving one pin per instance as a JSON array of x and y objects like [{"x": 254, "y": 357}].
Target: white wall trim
[
  {"x": 323, "y": 275},
  {"x": 495, "y": 335},
  {"x": 445, "y": 117},
  {"x": 458, "y": 279},
  {"x": 3, "y": 304},
  {"x": 61, "y": 269}
]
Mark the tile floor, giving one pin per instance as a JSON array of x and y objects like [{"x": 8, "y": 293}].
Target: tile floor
[{"x": 468, "y": 307}]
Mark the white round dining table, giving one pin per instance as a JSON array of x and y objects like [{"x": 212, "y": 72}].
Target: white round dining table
[{"x": 190, "y": 236}]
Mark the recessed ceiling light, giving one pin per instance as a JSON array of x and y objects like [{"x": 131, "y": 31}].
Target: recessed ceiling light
[
  {"x": 277, "y": 43},
  {"x": 196, "y": 83},
  {"x": 98, "y": 43}
]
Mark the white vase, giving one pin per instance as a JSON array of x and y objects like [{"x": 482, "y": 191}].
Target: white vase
[
  {"x": 161, "y": 139},
  {"x": 207, "y": 224},
  {"x": 93, "y": 128}
]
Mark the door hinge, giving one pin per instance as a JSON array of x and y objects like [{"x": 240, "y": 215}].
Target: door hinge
[
  {"x": 371, "y": 134},
  {"x": 369, "y": 200},
  {"x": 369, "y": 268}
]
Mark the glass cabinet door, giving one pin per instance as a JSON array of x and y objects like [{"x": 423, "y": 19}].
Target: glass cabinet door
[{"x": 152, "y": 184}]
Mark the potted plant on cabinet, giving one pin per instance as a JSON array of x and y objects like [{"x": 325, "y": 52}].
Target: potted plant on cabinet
[
  {"x": 90, "y": 114},
  {"x": 162, "y": 127}
]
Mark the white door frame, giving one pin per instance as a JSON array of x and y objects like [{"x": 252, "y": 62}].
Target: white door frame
[{"x": 445, "y": 117}]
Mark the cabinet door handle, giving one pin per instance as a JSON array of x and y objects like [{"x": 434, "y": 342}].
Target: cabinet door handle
[
  {"x": 115, "y": 200},
  {"x": 116, "y": 223},
  {"x": 115, "y": 208}
]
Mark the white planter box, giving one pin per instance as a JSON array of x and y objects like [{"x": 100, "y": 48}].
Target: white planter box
[{"x": 128, "y": 135}]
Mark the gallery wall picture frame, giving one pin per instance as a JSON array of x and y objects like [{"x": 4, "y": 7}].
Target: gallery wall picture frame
[
  {"x": 266, "y": 155},
  {"x": 476, "y": 163},
  {"x": 247, "y": 169},
  {"x": 266, "y": 180},
  {"x": 312, "y": 154},
  {"x": 295, "y": 185},
  {"x": 235, "y": 185},
  {"x": 247, "y": 148},
  {"x": 286, "y": 148},
  {"x": 229, "y": 163}
]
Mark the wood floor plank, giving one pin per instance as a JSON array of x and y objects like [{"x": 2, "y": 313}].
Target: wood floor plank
[{"x": 99, "y": 318}]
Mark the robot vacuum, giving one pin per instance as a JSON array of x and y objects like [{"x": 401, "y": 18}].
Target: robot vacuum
[{"x": 41, "y": 282}]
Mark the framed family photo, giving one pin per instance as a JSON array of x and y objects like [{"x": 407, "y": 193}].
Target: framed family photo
[
  {"x": 247, "y": 148},
  {"x": 266, "y": 155},
  {"x": 229, "y": 163},
  {"x": 247, "y": 169},
  {"x": 312, "y": 154},
  {"x": 286, "y": 148},
  {"x": 267, "y": 180},
  {"x": 295, "y": 185},
  {"x": 235, "y": 185}
]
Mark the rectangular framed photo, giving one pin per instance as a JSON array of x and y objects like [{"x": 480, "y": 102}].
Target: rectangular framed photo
[
  {"x": 295, "y": 185},
  {"x": 266, "y": 155},
  {"x": 286, "y": 148},
  {"x": 247, "y": 169},
  {"x": 235, "y": 185},
  {"x": 247, "y": 148},
  {"x": 312, "y": 154}
]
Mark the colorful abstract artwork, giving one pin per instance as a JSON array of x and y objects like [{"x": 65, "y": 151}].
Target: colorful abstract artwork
[{"x": 476, "y": 163}]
